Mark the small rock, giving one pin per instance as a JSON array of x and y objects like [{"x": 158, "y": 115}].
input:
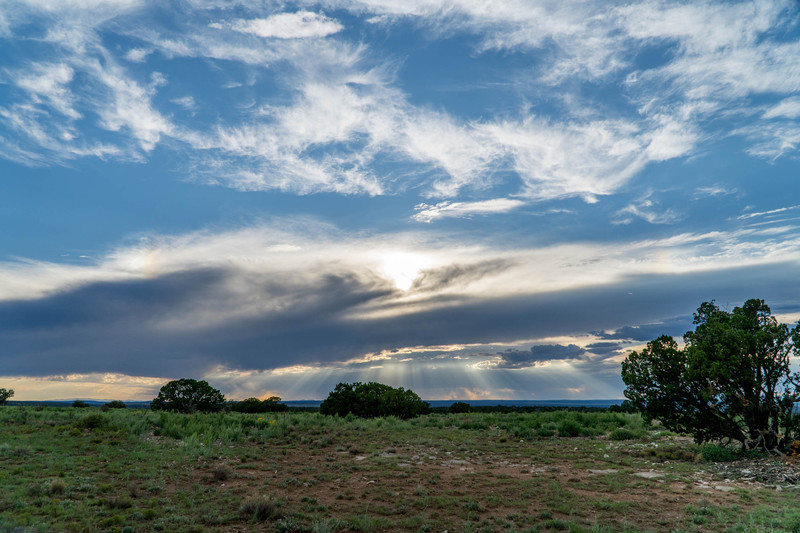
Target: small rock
[{"x": 649, "y": 475}]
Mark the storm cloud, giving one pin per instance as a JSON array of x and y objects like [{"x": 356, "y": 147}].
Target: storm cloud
[
  {"x": 542, "y": 353},
  {"x": 191, "y": 322}
]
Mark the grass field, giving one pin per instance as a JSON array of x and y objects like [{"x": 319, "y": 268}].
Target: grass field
[{"x": 68, "y": 469}]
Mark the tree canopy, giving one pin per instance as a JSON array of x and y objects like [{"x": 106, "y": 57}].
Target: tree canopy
[
  {"x": 5, "y": 394},
  {"x": 188, "y": 396},
  {"x": 732, "y": 380},
  {"x": 369, "y": 400},
  {"x": 254, "y": 405}
]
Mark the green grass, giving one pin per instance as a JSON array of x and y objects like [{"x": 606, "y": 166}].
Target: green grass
[{"x": 64, "y": 469}]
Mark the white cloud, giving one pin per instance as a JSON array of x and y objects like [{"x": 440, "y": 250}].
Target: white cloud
[
  {"x": 771, "y": 140},
  {"x": 429, "y": 213},
  {"x": 786, "y": 108},
  {"x": 714, "y": 190},
  {"x": 305, "y": 251},
  {"x": 186, "y": 102},
  {"x": 303, "y": 24},
  {"x": 129, "y": 106},
  {"x": 644, "y": 209},
  {"x": 138, "y": 55},
  {"x": 460, "y": 150},
  {"x": 345, "y": 120},
  {"x": 580, "y": 159},
  {"x": 54, "y": 142},
  {"x": 50, "y": 81},
  {"x": 769, "y": 213}
]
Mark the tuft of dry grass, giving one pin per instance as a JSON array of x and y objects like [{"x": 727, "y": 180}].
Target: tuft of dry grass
[
  {"x": 221, "y": 473},
  {"x": 57, "y": 486},
  {"x": 260, "y": 510}
]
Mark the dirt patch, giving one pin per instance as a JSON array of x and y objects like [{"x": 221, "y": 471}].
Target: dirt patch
[{"x": 416, "y": 485}]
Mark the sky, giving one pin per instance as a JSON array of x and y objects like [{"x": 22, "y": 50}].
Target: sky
[{"x": 472, "y": 200}]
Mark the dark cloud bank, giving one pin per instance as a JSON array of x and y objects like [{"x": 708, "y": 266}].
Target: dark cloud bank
[{"x": 129, "y": 327}]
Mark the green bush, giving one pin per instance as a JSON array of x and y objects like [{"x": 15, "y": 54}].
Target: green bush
[
  {"x": 93, "y": 421},
  {"x": 716, "y": 453},
  {"x": 80, "y": 404},
  {"x": 115, "y": 404},
  {"x": 370, "y": 400},
  {"x": 459, "y": 407},
  {"x": 623, "y": 434},
  {"x": 569, "y": 428},
  {"x": 545, "y": 432}
]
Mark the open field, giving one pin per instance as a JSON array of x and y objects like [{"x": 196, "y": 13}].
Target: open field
[{"x": 65, "y": 469}]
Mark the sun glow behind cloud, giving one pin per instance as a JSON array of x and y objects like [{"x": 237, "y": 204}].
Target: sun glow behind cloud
[{"x": 403, "y": 268}]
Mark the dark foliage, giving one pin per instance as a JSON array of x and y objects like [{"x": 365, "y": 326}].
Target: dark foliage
[
  {"x": 188, "y": 396},
  {"x": 80, "y": 403},
  {"x": 93, "y": 421},
  {"x": 731, "y": 381},
  {"x": 5, "y": 394},
  {"x": 259, "y": 510},
  {"x": 254, "y": 405},
  {"x": 625, "y": 407},
  {"x": 115, "y": 404},
  {"x": 460, "y": 407},
  {"x": 369, "y": 400}
]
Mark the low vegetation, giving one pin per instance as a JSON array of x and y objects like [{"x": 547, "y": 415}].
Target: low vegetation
[{"x": 129, "y": 470}]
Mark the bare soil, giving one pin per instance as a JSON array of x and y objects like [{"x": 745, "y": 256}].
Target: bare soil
[{"x": 540, "y": 485}]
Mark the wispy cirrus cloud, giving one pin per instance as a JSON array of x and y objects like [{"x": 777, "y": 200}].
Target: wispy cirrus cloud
[
  {"x": 647, "y": 209},
  {"x": 428, "y": 213},
  {"x": 787, "y": 108},
  {"x": 341, "y": 121},
  {"x": 299, "y": 25}
]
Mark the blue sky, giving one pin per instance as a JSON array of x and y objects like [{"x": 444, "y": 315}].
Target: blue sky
[{"x": 471, "y": 200}]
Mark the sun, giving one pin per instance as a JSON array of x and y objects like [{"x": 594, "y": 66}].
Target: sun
[{"x": 403, "y": 268}]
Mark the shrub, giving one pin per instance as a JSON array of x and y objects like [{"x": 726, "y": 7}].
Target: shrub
[
  {"x": 80, "y": 404},
  {"x": 254, "y": 405},
  {"x": 188, "y": 396},
  {"x": 716, "y": 453},
  {"x": 545, "y": 432},
  {"x": 568, "y": 428},
  {"x": 259, "y": 510},
  {"x": 93, "y": 421},
  {"x": 460, "y": 407},
  {"x": 115, "y": 404},
  {"x": 623, "y": 434},
  {"x": 57, "y": 486},
  {"x": 221, "y": 473},
  {"x": 369, "y": 400}
]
